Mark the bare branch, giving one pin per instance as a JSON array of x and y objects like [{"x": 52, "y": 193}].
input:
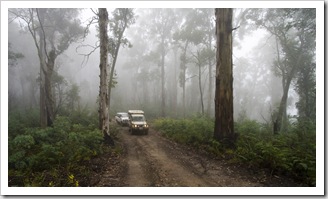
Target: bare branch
[
  {"x": 12, "y": 19},
  {"x": 235, "y": 28},
  {"x": 94, "y": 12},
  {"x": 44, "y": 34},
  {"x": 86, "y": 55},
  {"x": 190, "y": 77},
  {"x": 86, "y": 30},
  {"x": 264, "y": 118}
]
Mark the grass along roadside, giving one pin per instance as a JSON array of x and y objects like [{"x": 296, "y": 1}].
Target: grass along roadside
[{"x": 290, "y": 154}]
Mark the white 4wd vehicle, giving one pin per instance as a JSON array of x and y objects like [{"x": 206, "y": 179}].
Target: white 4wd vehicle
[
  {"x": 138, "y": 122},
  {"x": 122, "y": 118}
]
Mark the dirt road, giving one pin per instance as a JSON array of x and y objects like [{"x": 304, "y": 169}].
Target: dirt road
[{"x": 152, "y": 160}]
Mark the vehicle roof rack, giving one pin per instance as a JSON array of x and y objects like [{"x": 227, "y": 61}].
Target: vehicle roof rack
[{"x": 135, "y": 112}]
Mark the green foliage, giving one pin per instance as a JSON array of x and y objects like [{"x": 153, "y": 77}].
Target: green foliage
[
  {"x": 51, "y": 156},
  {"x": 190, "y": 131},
  {"x": 292, "y": 154},
  {"x": 83, "y": 116},
  {"x": 196, "y": 132}
]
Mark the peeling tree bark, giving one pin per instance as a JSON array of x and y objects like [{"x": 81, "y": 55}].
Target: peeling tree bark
[
  {"x": 103, "y": 88},
  {"x": 47, "y": 63},
  {"x": 43, "y": 109},
  {"x": 224, "y": 129}
]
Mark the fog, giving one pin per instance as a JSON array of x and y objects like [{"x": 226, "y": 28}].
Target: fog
[{"x": 257, "y": 89}]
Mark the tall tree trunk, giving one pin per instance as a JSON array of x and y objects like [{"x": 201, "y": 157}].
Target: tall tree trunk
[
  {"x": 43, "y": 108},
  {"x": 282, "y": 115},
  {"x": 175, "y": 85},
  {"x": 47, "y": 63},
  {"x": 145, "y": 91},
  {"x": 115, "y": 55},
  {"x": 163, "y": 79},
  {"x": 112, "y": 69},
  {"x": 279, "y": 125},
  {"x": 200, "y": 87},
  {"x": 103, "y": 95},
  {"x": 183, "y": 78},
  {"x": 210, "y": 79},
  {"x": 43, "y": 71},
  {"x": 184, "y": 94},
  {"x": 48, "y": 88},
  {"x": 224, "y": 129}
]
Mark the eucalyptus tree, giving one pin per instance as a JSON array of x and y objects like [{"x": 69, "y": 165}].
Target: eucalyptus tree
[
  {"x": 209, "y": 29},
  {"x": 52, "y": 30},
  {"x": 202, "y": 23},
  {"x": 141, "y": 64},
  {"x": 294, "y": 31},
  {"x": 121, "y": 19},
  {"x": 25, "y": 71},
  {"x": 255, "y": 85},
  {"x": 13, "y": 58},
  {"x": 183, "y": 39},
  {"x": 200, "y": 59},
  {"x": 224, "y": 127},
  {"x": 189, "y": 33},
  {"x": 103, "y": 65},
  {"x": 306, "y": 76},
  {"x": 162, "y": 21},
  {"x": 306, "y": 89}
]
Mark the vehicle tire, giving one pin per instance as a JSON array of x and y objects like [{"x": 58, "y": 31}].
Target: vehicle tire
[{"x": 146, "y": 132}]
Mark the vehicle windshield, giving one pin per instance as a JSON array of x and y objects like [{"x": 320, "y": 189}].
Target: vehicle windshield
[
  {"x": 124, "y": 115},
  {"x": 138, "y": 118}
]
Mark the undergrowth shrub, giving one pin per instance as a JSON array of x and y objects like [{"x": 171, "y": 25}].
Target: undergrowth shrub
[
  {"x": 192, "y": 131},
  {"x": 196, "y": 132},
  {"x": 292, "y": 153},
  {"x": 18, "y": 120},
  {"x": 51, "y": 156}
]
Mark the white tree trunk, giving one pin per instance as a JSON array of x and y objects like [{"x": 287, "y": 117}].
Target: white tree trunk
[{"x": 103, "y": 88}]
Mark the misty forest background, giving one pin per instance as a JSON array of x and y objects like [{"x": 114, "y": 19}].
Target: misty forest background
[{"x": 162, "y": 61}]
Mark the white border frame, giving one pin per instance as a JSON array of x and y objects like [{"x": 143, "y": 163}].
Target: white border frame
[{"x": 318, "y": 190}]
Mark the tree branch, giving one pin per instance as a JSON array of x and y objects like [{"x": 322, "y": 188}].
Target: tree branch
[
  {"x": 94, "y": 12},
  {"x": 86, "y": 55},
  {"x": 44, "y": 35},
  {"x": 190, "y": 77},
  {"x": 235, "y": 28}
]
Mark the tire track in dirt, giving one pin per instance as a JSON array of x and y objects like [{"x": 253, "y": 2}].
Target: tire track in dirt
[
  {"x": 139, "y": 171},
  {"x": 153, "y": 160},
  {"x": 214, "y": 172},
  {"x": 149, "y": 165},
  {"x": 170, "y": 171}
]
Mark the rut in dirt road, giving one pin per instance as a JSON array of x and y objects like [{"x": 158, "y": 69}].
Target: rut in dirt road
[
  {"x": 152, "y": 161},
  {"x": 149, "y": 165},
  {"x": 155, "y": 161}
]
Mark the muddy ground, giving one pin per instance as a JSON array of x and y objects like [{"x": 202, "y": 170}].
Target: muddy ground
[{"x": 155, "y": 161}]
